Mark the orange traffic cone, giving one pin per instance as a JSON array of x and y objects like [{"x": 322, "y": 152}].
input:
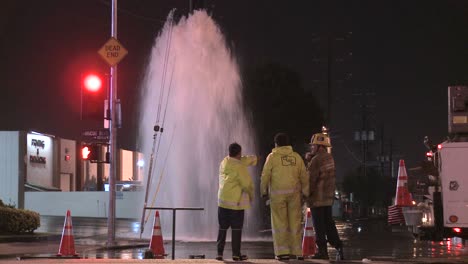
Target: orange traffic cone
[
  {"x": 67, "y": 244},
  {"x": 156, "y": 243},
  {"x": 308, "y": 242},
  {"x": 403, "y": 197}
]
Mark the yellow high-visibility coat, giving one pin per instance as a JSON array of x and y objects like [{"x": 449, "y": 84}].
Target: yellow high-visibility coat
[
  {"x": 284, "y": 178},
  {"x": 236, "y": 188}
]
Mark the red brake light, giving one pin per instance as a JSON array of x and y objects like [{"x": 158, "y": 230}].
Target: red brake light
[{"x": 456, "y": 230}]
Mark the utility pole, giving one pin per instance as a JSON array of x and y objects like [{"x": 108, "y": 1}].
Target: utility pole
[
  {"x": 392, "y": 172},
  {"x": 196, "y": 4},
  {"x": 364, "y": 138},
  {"x": 365, "y": 135},
  {"x": 112, "y": 52},
  {"x": 330, "y": 50},
  {"x": 113, "y": 136},
  {"x": 329, "y": 80},
  {"x": 382, "y": 150}
]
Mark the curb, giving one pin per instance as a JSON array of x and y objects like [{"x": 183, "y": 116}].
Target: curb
[{"x": 29, "y": 238}]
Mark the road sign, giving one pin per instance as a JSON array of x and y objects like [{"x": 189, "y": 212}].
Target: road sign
[
  {"x": 96, "y": 135},
  {"x": 112, "y": 51}
]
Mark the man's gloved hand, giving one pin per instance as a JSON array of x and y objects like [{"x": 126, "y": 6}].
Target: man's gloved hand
[{"x": 266, "y": 199}]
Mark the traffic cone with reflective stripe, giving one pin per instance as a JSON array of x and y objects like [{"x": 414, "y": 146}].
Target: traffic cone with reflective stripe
[
  {"x": 156, "y": 243},
  {"x": 403, "y": 197},
  {"x": 308, "y": 242},
  {"x": 67, "y": 244}
]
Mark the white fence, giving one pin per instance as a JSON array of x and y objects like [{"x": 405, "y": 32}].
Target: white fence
[{"x": 84, "y": 204}]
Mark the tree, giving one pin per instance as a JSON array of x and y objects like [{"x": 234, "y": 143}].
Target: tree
[{"x": 274, "y": 96}]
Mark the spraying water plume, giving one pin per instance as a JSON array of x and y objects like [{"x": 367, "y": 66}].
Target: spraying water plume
[{"x": 192, "y": 90}]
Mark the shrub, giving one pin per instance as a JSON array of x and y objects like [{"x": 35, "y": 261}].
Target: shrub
[{"x": 18, "y": 220}]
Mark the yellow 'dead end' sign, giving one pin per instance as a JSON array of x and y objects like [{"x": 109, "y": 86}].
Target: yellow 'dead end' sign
[{"x": 112, "y": 52}]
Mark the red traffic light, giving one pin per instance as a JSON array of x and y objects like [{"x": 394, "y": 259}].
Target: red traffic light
[
  {"x": 92, "y": 82},
  {"x": 92, "y": 97}
]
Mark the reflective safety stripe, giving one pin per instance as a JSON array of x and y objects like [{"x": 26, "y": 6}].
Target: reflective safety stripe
[
  {"x": 278, "y": 248},
  {"x": 297, "y": 249},
  {"x": 227, "y": 203},
  {"x": 329, "y": 166},
  {"x": 285, "y": 191},
  {"x": 280, "y": 230},
  {"x": 296, "y": 230},
  {"x": 243, "y": 202}
]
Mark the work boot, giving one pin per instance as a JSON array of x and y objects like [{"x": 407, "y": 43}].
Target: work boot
[
  {"x": 219, "y": 257},
  {"x": 321, "y": 254},
  {"x": 298, "y": 257},
  {"x": 339, "y": 253},
  {"x": 241, "y": 258},
  {"x": 282, "y": 257}
]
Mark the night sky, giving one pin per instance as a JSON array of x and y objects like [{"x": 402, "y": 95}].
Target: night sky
[{"x": 396, "y": 58}]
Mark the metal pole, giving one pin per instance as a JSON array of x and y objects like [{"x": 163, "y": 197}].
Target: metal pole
[
  {"x": 113, "y": 137},
  {"x": 174, "y": 210},
  {"x": 173, "y": 232},
  {"x": 329, "y": 80}
]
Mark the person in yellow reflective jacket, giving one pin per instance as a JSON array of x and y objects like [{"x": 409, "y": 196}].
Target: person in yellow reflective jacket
[
  {"x": 235, "y": 194},
  {"x": 284, "y": 178}
]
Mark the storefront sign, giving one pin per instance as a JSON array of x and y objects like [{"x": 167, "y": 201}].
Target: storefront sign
[{"x": 38, "y": 144}]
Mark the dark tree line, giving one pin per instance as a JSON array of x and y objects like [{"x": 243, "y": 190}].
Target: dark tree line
[
  {"x": 275, "y": 101},
  {"x": 371, "y": 189}
]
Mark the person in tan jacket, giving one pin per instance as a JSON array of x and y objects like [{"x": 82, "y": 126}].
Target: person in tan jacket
[
  {"x": 321, "y": 169},
  {"x": 284, "y": 179}
]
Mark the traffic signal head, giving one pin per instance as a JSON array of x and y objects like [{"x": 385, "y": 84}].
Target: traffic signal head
[
  {"x": 93, "y": 96},
  {"x": 92, "y": 83},
  {"x": 90, "y": 152}
]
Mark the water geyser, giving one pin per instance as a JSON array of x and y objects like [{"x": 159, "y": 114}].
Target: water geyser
[{"x": 193, "y": 90}]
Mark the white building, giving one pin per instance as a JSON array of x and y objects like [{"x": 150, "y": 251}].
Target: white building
[{"x": 45, "y": 173}]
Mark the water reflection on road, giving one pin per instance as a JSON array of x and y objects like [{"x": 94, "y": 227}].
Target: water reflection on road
[
  {"x": 371, "y": 239},
  {"x": 374, "y": 240}
]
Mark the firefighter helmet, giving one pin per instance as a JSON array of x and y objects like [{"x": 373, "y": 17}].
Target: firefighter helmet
[{"x": 320, "y": 139}]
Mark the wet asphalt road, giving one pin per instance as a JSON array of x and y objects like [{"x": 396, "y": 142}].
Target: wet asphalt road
[{"x": 363, "y": 240}]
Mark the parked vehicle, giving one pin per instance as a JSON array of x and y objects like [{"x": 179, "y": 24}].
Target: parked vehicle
[{"x": 445, "y": 209}]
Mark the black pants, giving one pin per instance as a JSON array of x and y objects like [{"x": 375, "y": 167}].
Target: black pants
[
  {"x": 325, "y": 229},
  {"x": 234, "y": 219}
]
